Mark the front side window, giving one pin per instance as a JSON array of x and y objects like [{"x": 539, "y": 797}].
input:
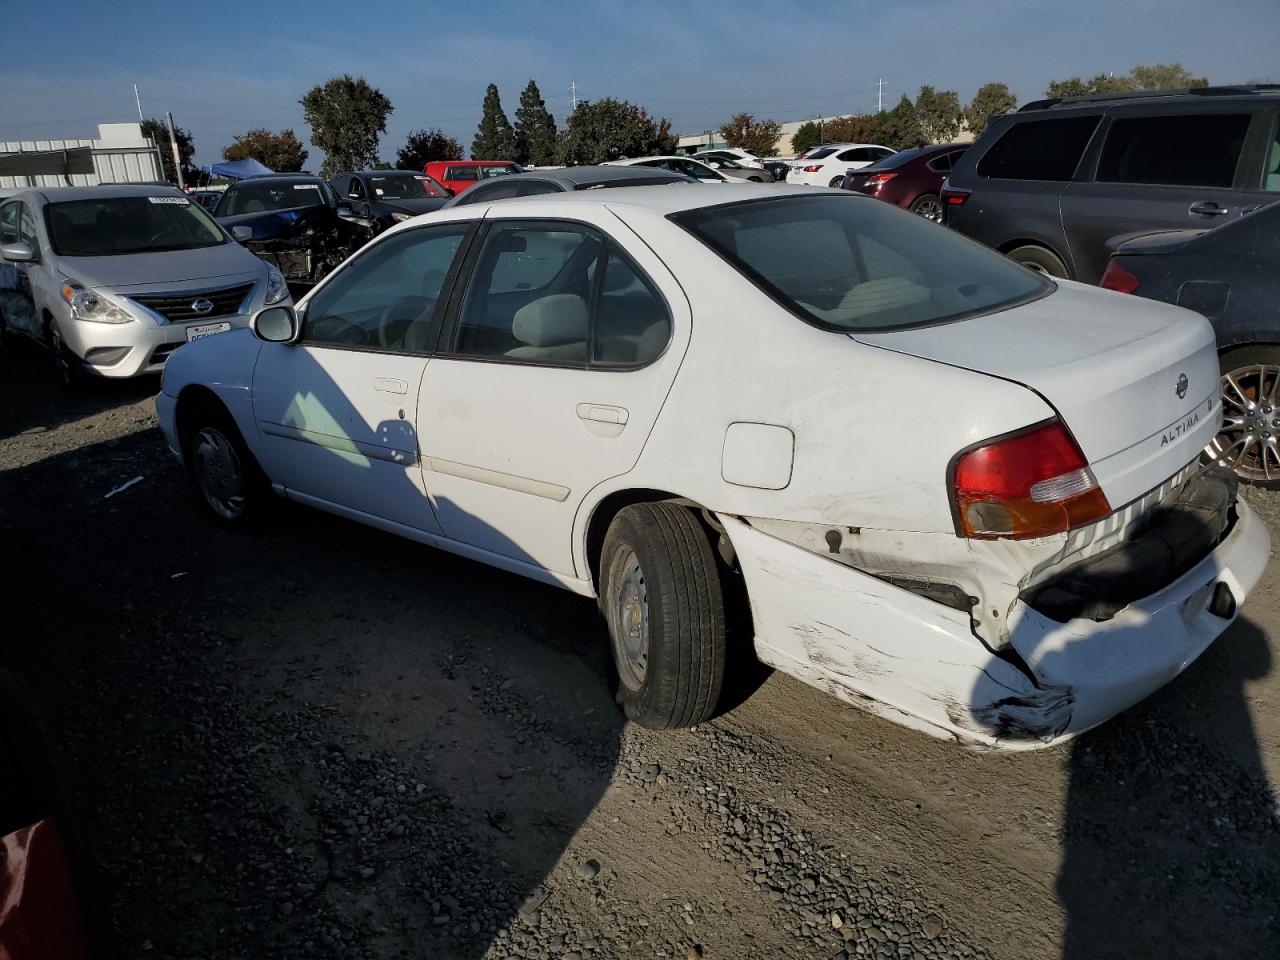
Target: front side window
[
  {"x": 27, "y": 226},
  {"x": 9, "y": 222},
  {"x": 850, "y": 264},
  {"x": 356, "y": 190},
  {"x": 1271, "y": 173},
  {"x": 1180, "y": 149},
  {"x": 1039, "y": 149},
  {"x": 341, "y": 186},
  {"x": 112, "y": 226},
  {"x": 386, "y": 299},
  {"x": 251, "y": 196}
]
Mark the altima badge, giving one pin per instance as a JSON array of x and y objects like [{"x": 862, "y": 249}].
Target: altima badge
[{"x": 1182, "y": 385}]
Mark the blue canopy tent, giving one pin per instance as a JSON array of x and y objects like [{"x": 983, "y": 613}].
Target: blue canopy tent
[{"x": 238, "y": 169}]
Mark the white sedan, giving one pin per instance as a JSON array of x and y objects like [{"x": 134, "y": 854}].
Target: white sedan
[
  {"x": 825, "y": 166},
  {"x": 947, "y": 489},
  {"x": 689, "y": 167}
]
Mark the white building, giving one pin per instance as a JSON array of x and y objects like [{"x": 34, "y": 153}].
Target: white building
[{"x": 119, "y": 154}]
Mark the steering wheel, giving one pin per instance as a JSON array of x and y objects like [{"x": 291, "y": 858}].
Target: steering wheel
[{"x": 398, "y": 317}]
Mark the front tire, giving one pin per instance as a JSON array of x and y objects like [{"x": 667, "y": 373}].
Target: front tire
[
  {"x": 661, "y": 597},
  {"x": 1249, "y": 443},
  {"x": 227, "y": 479},
  {"x": 68, "y": 367},
  {"x": 1040, "y": 259}
]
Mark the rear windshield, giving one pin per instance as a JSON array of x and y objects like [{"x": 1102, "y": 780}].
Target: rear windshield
[
  {"x": 851, "y": 263},
  {"x": 406, "y": 186},
  {"x": 894, "y": 160},
  {"x": 819, "y": 153},
  {"x": 113, "y": 226},
  {"x": 250, "y": 197}
]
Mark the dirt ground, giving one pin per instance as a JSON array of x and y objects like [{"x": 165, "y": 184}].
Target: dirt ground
[{"x": 321, "y": 741}]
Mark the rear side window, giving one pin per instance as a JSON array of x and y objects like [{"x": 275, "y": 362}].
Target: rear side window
[
  {"x": 1181, "y": 149},
  {"x": 461, "y": 173},
  {"x": 848, "y": 263},
  {"x": 1039, "y": 149}
]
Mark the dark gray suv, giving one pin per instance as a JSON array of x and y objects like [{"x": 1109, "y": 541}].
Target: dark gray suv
[{"x": 1059, "y": 183}]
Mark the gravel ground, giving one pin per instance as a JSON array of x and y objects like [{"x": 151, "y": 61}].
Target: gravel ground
[{"x": 322, "y": 741}]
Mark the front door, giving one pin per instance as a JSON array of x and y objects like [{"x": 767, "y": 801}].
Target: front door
[
  {"x": 1173, "y": 171},
  {"x": 554, "y": 366},
  {"x": 17, "y": 307},
  {"x": 337, "y": 410}
]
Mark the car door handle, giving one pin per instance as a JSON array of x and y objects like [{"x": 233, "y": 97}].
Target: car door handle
[
  {"x": 1207, "y": 208},
  {"x": 602, "y": 413},
  {"x": 390, "y": 385}
]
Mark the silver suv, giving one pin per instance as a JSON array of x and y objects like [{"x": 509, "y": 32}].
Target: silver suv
[{"x": 113, "y": 279}]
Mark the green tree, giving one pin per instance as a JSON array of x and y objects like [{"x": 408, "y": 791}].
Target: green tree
[
  {"x": 610, "y": 129},
  {"x": 535, "y": 129},
  {"x": 806, "y": 137},
  {"x": 667, "y": 140},
  {"x": 900, "y": 127},
  {"x": 346, "y": 116},
  {"x": 494, "y": 139},
  {"x": 991, "y": 100},
  {"x": 859, "y": 128},
  {"x": 157, "y": 131},
  {"x": 759, "y": 137},
  {"x": 940, "y": 114},
  {"x": 282, "y": 152},
  {"x": 424, "y": 146},
  {"x": 1071, "y": 87},
  {"x": 1164, "y": 76}
]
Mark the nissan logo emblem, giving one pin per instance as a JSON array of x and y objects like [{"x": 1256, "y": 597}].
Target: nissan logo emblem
[
  {"x": 203, "y": 306},
  {"x": 1181, "y": 388}
]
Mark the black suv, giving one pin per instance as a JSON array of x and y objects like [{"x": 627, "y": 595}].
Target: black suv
[{"x": 1059, "y": 183}]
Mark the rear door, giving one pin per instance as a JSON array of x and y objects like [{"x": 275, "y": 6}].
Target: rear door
[
  {"x": 552, "y": 370},
  {"x": 1175, "y": 167}
]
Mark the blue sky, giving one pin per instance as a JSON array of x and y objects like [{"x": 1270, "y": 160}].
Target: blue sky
[{"x": 227, "y": 68}]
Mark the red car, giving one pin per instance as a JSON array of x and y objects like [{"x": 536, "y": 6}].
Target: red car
[
  {"x": 911, "y": 179},
  {"x": 457, "y": 175}
]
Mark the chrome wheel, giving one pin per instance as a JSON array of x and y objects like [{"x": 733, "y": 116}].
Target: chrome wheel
[
  {"x": 219, "y": 473},
  {"x": 930, "y": 209},
  {"x": 628, "y": 616},
  {"x": 1249, "y": 442}
]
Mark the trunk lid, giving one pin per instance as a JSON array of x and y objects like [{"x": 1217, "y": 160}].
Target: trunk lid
[{"x": 1135, "y": 381}]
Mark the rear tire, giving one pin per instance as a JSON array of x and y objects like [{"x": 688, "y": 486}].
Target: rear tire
[
  {"x": 1249, "y": 443},
  {"x": 227, "y": 479},
  {"x": 835, "y": 182},
  {"x": 1040, "y": 259},
  {"x": 661, "y": 597},
  {"x": 927, "y": 205}
]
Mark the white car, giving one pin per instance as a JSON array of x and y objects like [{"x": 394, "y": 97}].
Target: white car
[
  {"x": 686, "y": 165},
  {"x": 114, "y": 279},
  {"x": 947, "y": 489},
  {"x": 825, "y": 166},
  {"x": 733, "y": 153}
]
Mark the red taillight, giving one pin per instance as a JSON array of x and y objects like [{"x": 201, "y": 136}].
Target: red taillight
[
  {"x": 1119, "y": 279},
  {"x": 813, "y": 169},
  {"x": 1030, "y": 484},
  {"x": 877, "y": 180},
  {"x": 955, "y": 198}
]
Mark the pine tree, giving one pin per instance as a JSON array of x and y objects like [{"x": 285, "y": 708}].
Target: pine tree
[
  {"x": 535, "y": 129},
  {"x": 494, "y": 140}
]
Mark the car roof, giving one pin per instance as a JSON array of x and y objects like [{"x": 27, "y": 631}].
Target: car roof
[
  {"x": 102, "y": 191},
  {"x": 691, "y": 196},
  {"x": 574, "y": 177},
  {"x": 466, "y": 163},
  {"x": 1246, "y": 93},
  {"x": 268, "y": 177}
]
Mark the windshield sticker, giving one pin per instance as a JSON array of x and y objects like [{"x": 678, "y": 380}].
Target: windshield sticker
[
  {"x": 378, "y": 191},
  {"x": 305, "y": 186},
  {"x": 181, "y": 201}
]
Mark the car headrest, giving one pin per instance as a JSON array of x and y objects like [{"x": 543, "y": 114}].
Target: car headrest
[{"x": 550, "y": 321}]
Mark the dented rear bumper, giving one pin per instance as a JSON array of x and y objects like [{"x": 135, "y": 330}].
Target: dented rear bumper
[{"x": 918, "y": 662}]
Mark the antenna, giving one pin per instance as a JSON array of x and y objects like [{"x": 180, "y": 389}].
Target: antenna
[
  {"x": 573, "y": 94},
  {"x": 138, "y": 100},
  {"x": 880, "y": 95}
]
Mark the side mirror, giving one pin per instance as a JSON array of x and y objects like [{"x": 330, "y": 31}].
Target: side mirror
[
  {"x": 344, "y": 209},
  {"x": 241, "y": 233},
  {"x": 450, "y": 191},
  {"x": 275, "y": 324},
  {"x": 20, "y": 252}
]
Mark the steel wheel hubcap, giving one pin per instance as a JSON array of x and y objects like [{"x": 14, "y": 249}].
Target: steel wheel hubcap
[
  {"x": 219, "y": 473},
  {"x": 629, "y": 618},
  {"x": 1250, "y": 439}
]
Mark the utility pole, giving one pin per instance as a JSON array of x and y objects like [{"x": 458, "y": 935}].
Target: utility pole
[
  {"x": 880, "y": 95},
  {"x": 573, "y": 93},
  {"x": 173, "y": 142},
  {"x": 138, "y": 100}
]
